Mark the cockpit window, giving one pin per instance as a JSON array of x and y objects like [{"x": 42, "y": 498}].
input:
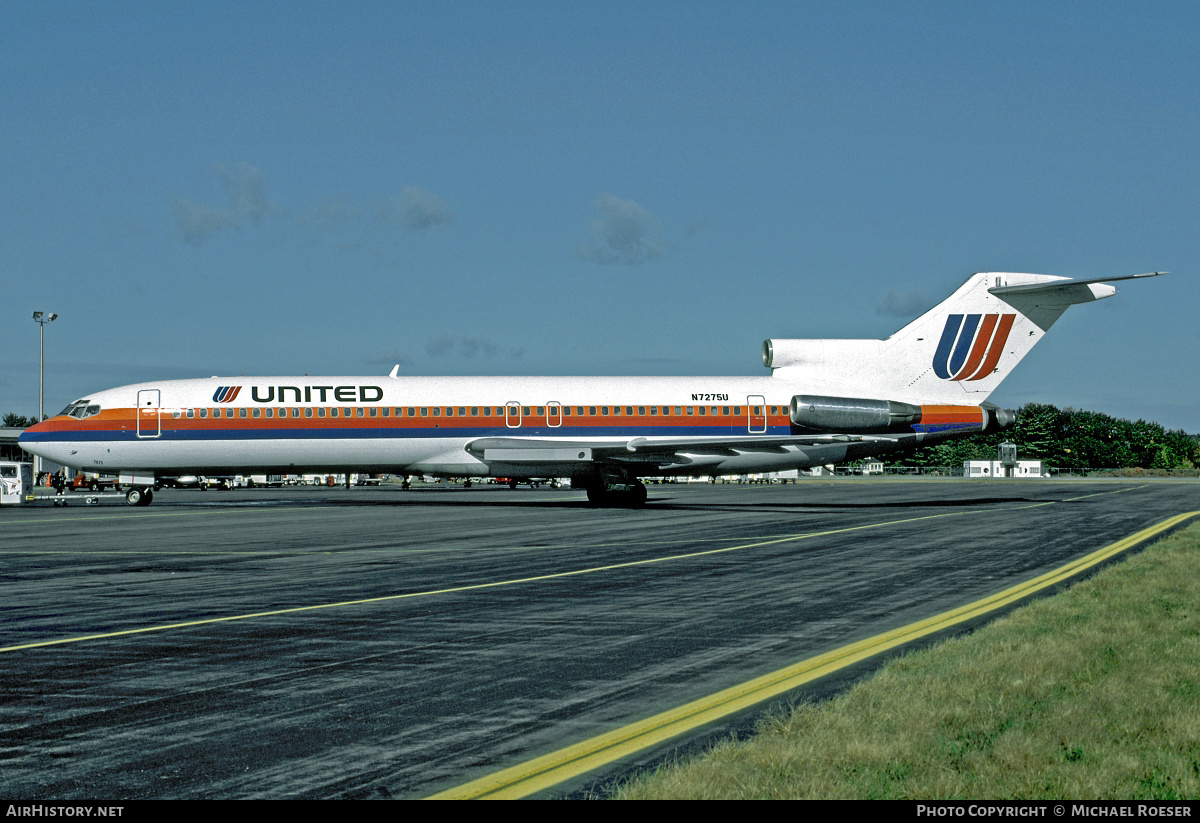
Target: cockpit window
[
  {"x": 80, "y": 409},
  {"x": 77, "y": 409}
]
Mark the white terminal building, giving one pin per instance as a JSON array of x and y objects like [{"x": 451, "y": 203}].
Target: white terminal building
[
  {"x": 1006, "y": 464},
  {"x": 994, "y": 468}
]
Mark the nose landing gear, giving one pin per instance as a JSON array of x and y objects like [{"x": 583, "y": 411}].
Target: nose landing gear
[{"x": 139, "y": 495}]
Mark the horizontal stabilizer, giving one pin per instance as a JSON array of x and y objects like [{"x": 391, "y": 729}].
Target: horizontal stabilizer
[{"x": 1066, "y": 287}]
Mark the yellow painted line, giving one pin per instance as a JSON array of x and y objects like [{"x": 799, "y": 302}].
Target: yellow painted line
[
  {"x": 476, "y": 586},
  {"x": 494, "y": 584},
  {"x": 1100, "y": 494},
  {"x": 549, "y": 770}
]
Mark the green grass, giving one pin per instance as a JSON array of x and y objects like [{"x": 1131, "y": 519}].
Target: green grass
[{"x": 1091, "y": 693}]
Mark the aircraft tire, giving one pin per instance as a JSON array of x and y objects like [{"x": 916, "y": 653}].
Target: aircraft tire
[
  {"x": 638, "y": 495},
  {"x": 139, "y": 496}
]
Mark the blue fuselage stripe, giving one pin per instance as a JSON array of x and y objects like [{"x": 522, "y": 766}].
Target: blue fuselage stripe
[{"x": 382, "y": 433}]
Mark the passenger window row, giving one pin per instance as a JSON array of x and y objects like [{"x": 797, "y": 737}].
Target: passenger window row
[{"x": 83, "y": 410}]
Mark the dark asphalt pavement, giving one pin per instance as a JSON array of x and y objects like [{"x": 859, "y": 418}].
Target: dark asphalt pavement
[{"x": 532, "y": 621}]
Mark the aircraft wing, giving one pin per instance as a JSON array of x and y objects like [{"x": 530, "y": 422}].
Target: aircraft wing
[{"x": 643, "y": 449}]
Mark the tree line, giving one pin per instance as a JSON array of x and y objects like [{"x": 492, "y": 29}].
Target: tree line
[
  {"x": 17, "y": 421},
  {"x": 1069, "y": 439}
]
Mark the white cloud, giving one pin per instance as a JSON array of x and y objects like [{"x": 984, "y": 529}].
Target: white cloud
[
  {"x": 197, "y": 221},
  {"x": 243, "y": 199},
  {"x": 468, "y": 347},
  {"x": 246, "y": 189},
  {"x": 419, "y": 210},
  {"x": 908, "y": 304},
  {"x": 624, "y": 233},
  {"x": 394, "y": 357}
]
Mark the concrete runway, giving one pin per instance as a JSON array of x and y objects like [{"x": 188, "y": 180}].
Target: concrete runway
[{"x": 506, "y": 624}]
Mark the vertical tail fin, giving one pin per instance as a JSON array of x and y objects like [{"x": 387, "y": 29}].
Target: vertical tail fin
[{"x": 957, "y": 352}]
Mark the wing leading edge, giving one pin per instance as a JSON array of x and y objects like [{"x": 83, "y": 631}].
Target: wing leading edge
[{"x": 673, "y": 451}]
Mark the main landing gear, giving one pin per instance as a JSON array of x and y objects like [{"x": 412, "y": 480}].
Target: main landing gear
[
  {"x": 616, "y": 491},
  {"x": 139, "y": 495}
]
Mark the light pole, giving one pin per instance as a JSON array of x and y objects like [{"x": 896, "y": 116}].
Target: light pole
[{"x": 41, "y": 318}]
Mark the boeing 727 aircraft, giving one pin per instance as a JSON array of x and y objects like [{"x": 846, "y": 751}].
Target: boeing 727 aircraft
[{"x": 825, "y": 401}]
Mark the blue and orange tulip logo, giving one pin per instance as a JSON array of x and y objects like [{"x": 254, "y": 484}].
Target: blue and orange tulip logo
[
  {"x": 226, "y": 394},
  {"x": 971, "y": 345}
]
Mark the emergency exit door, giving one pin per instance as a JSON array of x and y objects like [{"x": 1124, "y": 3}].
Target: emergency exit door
[{"x": 756, "y": 414}]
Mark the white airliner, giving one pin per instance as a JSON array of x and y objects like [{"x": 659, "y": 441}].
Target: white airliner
[{"x": 825, "y": 401}]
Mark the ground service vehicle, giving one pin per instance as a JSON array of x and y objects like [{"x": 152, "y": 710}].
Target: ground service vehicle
[{"x": 16, "y": 482}]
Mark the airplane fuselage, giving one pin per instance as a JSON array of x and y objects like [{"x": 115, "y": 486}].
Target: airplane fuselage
[
  {"x": 825, "y": 401},
  {"x": 418, "y": 425}
]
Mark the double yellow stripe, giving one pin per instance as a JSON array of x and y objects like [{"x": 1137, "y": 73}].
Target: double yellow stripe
[{"x": 546, "y": 771}]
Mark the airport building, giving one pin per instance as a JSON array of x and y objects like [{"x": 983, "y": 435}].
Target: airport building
[
  {"x": 9, "y": 450},
  {"x": 996, "y": 468}
]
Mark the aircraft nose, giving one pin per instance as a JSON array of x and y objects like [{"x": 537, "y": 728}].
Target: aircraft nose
[
  {"x": 31, "y": 432},
  {"x": 35, "y": 441}
]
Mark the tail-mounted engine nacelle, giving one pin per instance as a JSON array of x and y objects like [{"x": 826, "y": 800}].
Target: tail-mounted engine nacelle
[
  {"x": 852, "y": 414},
  {"x": 999, "y": 418}
]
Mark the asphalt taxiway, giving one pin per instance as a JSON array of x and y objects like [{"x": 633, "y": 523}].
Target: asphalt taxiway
[{"x": 381, "y": 643}]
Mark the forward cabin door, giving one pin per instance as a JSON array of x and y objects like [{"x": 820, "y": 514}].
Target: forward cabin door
[{"x": 149, "y": 423}]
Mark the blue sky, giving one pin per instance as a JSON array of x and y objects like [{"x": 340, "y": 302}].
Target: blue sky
[{"x": 588, "y": 188}]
